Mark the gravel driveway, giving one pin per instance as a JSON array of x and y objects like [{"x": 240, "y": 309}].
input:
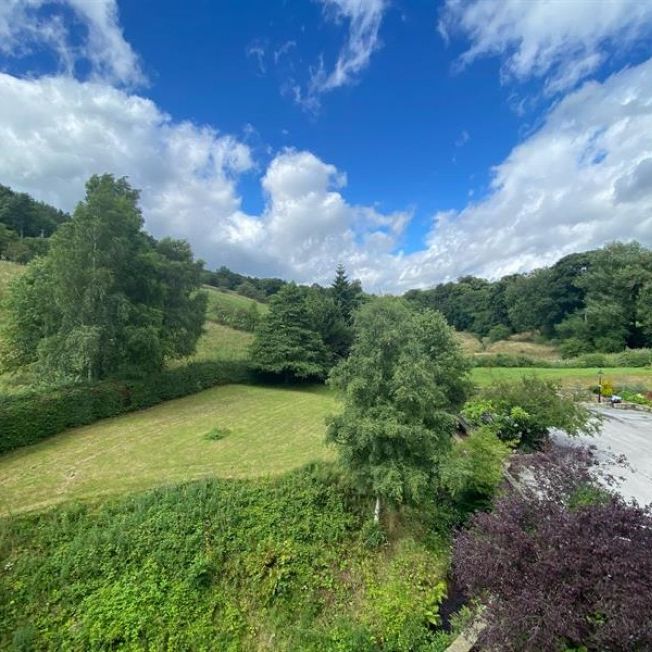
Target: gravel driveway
[{"x": 628, "y": 433}]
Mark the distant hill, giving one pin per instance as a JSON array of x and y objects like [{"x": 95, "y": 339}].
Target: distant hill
[{"x": 26, "y": 216}]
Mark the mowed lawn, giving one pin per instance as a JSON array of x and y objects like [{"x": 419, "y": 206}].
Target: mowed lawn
[
  {"x": 618, "y": 376},
  {"x": 269, "y": 431}
]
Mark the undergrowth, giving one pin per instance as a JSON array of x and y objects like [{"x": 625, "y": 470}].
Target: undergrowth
[{"x": 274, "y": 564}]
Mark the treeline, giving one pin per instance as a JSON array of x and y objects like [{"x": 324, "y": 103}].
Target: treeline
[
  {"x": 26, "y": 225},
  {"x": 251, "y": 287},
  {"x": 598, "y": 300}
]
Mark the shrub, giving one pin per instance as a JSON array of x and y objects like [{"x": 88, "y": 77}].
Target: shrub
[
  {"x": 526, "y": 410},
  {"x": 498, "y": 332},
  {"x": 588, "y": 360},
  {"x": 564, "y": 566},
  {"x": 474, "y": 468},
  {"x": 573, "y": 347},
  {"x": 30, "y": 417},
  {"x": 633, "y": 358}
]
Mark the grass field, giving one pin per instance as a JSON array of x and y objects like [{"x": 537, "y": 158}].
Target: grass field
[
  {"x": 618, "y": 376},
  {"x": 227, "y": 299},
  {"x": 519, "y": 344},
  {"x": 269, "y": 431},
  {"x": 222, "y": 343}
]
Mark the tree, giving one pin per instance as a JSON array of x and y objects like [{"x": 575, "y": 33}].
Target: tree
[
  {"x": 401, "y": 384},
  {"x": 347, "y": 294},
  {"x": 7, "y": 236},
  {"x": 615, "y": 309},
  {"x": 107, "y": 298},
  {"x": 286, "y": 343},
  {"x": 563, "y": 565},
  {"x": 327, "y": 320}
]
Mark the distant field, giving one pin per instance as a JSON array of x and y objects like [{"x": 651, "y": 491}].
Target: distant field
[
  {"x": 517, "y": 347},
  {"x": 222, "y": 343},
  {"x": 224, "y": 299},
  {"x": 270, "y": 430},
  {"x": 519, "y": 344},
  {"x": 483, "y": 376}
]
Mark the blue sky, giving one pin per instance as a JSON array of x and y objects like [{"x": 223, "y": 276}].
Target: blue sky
[{"x": 412, "y": 141}]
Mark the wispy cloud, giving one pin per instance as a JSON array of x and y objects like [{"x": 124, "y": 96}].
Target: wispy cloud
[
  {"x": 25, "y": 24},
  {"x": 257, "y": 51},
  {"x": 364, "y": 18},
  {"x": 561, "y": 43}
]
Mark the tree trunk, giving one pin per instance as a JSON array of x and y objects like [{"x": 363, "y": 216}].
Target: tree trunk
[{"x": 377, "y": 510}]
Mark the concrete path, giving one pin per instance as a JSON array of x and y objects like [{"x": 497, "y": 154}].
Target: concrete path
[{"x": 628, "y": 433}]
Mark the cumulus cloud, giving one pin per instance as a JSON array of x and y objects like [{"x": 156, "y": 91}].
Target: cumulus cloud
[
  {"x": 562, "y": 43},
  {"x": 57, "y": 131},
  {"x": 27, "y": 24},
  {"x": 583, "y": 179}
]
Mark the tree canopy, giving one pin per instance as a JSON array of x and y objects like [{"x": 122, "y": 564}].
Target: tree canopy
[
  {"x": 107, "y": 298},
  {"x": 592, "y": 301},
  {"x": 286, "y": 342},
  {"x": 402, "y": 383}
]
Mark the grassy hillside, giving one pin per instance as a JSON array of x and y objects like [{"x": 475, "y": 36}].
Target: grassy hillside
[
  {"x": 265, "y": 431},
  {"x": 225, "y": 299},
  {"x": 270, "y": 564},
  {"x": 520, "y": 344},
  {"x": 222, "y": 343}
]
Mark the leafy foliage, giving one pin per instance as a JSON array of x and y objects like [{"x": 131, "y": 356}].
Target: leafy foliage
[
  {"x": 218, "y": 565},
  {"x": 107, "y": 298},
  {"x": 594, "y": 301},
  {"x": 26, "y": 217},
  {"x": 564, "y": 565},
  {"x": 286, "y": 343},
  {"x": 474, "y": 469},
  {"x": 255, "y": 288},
  {"x": 526, "y": 410},
  {"x": 401, "y": 384}
]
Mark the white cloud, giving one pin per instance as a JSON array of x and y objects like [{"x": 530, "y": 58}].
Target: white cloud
[
  {"x": 560, "y": 42},
  {"x": 25, "y": 25},
  {"x": 57, "y": 131},
  {"x": 583, "y": 179},
  {"x": 364, "y": 18}
]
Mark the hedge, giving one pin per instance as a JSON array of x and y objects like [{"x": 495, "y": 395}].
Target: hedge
[
  {"x": 628, "y": 358},
  {"x": 28, "y": 418}
]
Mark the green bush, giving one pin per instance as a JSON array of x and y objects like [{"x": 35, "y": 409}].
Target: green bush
[
  {"x": 525, "y": 411},
  {"x": 30, "y": 417},
  {"x": 633, "y": 358},
  {"x": 574, "y": 347},
  {"x": 498, "y": 332},
  {"x": 588, "y": 360}
]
